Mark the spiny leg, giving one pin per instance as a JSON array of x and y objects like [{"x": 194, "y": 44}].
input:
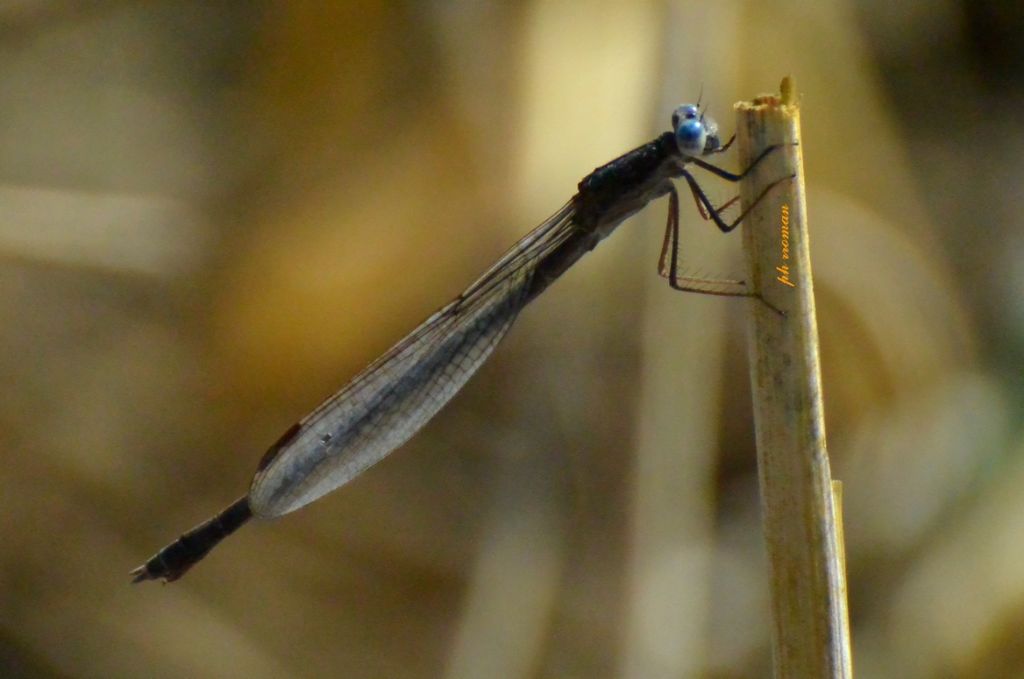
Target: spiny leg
[
  {"x": 732, "y": 176},
  {"x": 670, "y": 250},
  {"x": 723, "y": 206},
  {"x": 670, "y": 244},
  {"x": 725, "y": 147},
  {"x": 700, "y": 206},
  {"x": 671, "y": 227},
  {"x": 713, "y": 213}
]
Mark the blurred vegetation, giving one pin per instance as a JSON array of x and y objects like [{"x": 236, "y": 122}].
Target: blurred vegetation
[{"x": 212, "y": 214}]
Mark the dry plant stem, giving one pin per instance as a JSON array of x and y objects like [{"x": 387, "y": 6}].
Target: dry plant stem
[
  {"x": 810, "y": 637},
  {"x": 837, "y": 504}
]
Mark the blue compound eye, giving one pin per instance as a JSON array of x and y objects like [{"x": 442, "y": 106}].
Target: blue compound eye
[
  {"x": 690, "y": 137},
  {"x": 684, "y": 112}
]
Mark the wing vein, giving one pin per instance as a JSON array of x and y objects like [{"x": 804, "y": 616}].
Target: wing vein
[{"x": 389, "y": 401}]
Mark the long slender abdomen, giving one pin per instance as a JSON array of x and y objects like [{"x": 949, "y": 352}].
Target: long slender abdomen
[{"x": 171, "y": 562}]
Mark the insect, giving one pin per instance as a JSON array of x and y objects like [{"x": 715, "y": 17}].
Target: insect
[{"x": 387, "y": 403}]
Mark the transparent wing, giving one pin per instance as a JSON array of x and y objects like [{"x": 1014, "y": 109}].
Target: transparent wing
[{"x": 383, "y": 406}]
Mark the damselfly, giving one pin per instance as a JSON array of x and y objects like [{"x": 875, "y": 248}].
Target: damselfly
[{"x": 383, "y": 406}]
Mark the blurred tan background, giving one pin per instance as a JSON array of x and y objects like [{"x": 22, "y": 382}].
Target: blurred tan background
[{"x": 213, "y": 214}]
